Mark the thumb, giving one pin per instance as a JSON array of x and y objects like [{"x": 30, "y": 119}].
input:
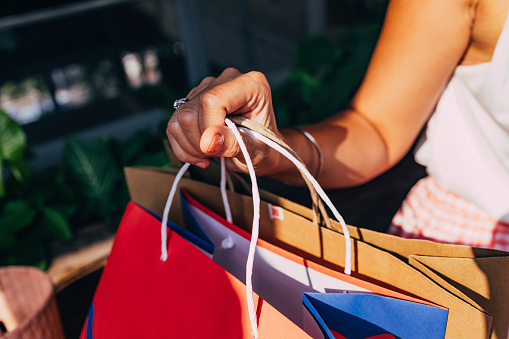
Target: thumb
[{"x": 219, "y": 141}]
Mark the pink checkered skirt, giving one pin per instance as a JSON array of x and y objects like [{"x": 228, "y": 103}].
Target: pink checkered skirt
[{"x": 434, "y": 213}]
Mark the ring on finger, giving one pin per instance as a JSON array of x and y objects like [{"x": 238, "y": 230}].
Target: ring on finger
[{"x": 179, "y": 102}]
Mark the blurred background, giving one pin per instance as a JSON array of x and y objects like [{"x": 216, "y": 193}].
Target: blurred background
[{"x": 104, "y": 66}]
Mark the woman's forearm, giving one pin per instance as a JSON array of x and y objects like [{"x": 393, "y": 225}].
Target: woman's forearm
[{"x": 352, "y": 151}]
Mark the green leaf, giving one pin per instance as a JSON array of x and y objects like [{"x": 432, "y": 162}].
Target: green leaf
[
  {"x": 50, "y": 188},
  {"x": 2, "y": 186},
  {"x": 90, "y": 166},
  {"x": 12, "y": 150},
  {"x": 67, "y": 209},
  {"x": 19, "y": 168},
  {"x": 12, "y": 138},
  {"x": 56, "y": 223},
  {"x": 16, "y": 215},
  {"x": 134, "y": 146}
]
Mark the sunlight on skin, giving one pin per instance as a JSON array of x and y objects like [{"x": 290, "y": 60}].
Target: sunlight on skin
[{"x": 6, "y": 314}]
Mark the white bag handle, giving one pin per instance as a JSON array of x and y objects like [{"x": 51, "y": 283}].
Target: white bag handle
[
  {"x": 256, "y": 209},
  {"x": 319, "y": 211}
]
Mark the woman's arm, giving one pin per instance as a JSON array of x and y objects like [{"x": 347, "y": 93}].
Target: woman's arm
[
  {"x": 420, "y": 45},
  {"x": 419, "y": 48}
]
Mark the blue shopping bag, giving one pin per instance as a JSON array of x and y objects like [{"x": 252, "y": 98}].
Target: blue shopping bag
[{"x": 362, "y": 315}]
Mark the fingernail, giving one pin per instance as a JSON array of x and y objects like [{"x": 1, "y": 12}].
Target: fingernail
[
  {"x": 216, "y": 144},
  {"x": 202, "y": 164}
]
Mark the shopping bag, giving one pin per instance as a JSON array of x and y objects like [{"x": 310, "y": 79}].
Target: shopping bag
[
  {"x": 299, "y": 235},
  {"x": 479, "y": 274},
  {"x": 362, "y": 315},
  {"x": 186, "y": 296},
  {"x": 279, "y": 291},
  {"x": 471, "y": 302},
  {"x": 281, "y": 277}
]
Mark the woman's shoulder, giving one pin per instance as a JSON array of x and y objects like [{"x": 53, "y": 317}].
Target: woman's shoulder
[{"x": 489, "y": 17}]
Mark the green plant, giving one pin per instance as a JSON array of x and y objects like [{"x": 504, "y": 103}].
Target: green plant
[
  {"x": 88, "y": 186},
  {"x": 94, "y": 170},
  {"x": 34, "y": 208},
  {"x": 12, "y": 151},
  {"x": 327, "y": 71}
]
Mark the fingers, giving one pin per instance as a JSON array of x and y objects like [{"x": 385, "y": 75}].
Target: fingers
[
  {"x": 181, "y": 145},
  {"x": 203, "y": 85},
  {"x": 197, "y": 131},
  {"x": 219, "y": 141},
  {"x": 247, "y": 94},
  {"x": 188, "y": 143},
  {"x": 183, "y": 154}
]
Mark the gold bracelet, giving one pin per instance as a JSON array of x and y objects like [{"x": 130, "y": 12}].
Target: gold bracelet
[{"x": 317, "y": 147}]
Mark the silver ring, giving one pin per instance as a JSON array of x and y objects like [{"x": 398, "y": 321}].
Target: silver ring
[{"x": 179, "y": 102}]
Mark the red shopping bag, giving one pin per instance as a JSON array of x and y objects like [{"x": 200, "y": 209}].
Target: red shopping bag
[{"x": 187, "y": 296}]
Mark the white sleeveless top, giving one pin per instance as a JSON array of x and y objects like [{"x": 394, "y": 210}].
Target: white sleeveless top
[{"x": 466, "y": 145}]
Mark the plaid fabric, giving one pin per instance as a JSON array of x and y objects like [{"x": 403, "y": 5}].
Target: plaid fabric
[{"x": 434, "y": 213}]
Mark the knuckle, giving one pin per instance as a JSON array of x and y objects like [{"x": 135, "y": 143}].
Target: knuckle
[
  {"x": 208, "y": 79},
  {"x": 186, "y": 116},
  {"x": 230, "y": 71},
  {"x": 209, "y": 99},
  {"x": 233, "y": 150},
  {"x": 172, "y": 127},
  {"x": 257, "y": 77},
  {"x": 205, "y": 82}
]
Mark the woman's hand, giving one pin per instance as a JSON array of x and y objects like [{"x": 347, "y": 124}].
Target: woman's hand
[{"x": 197, "y": 131}]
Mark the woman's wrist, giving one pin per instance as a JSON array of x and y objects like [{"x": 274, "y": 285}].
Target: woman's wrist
[
  {"x": 308, "y": 150},
  {"x": 318, "y": 150}
]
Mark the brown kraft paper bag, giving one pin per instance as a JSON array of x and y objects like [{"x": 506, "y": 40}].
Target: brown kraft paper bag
[{"x": 468, "y": 281}]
